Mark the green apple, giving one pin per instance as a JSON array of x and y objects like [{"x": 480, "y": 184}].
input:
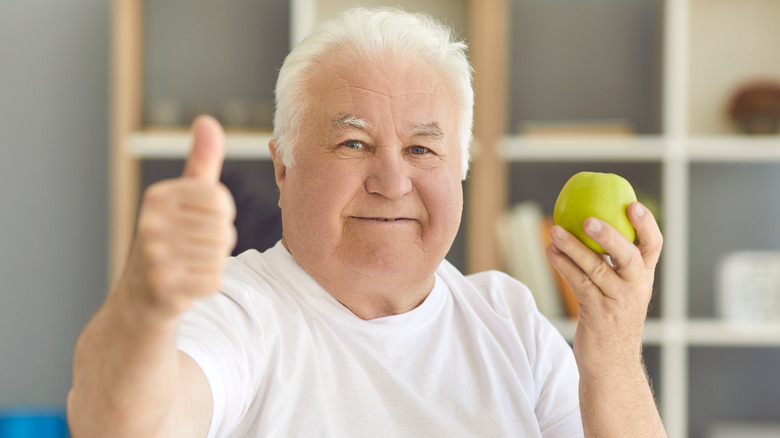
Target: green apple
[{"x": 594, "y": 194}]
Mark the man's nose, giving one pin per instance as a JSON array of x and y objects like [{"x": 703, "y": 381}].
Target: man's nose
[{"x": 389, "y": 175}]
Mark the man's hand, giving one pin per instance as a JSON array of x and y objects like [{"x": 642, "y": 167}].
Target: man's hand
[
  {"x": 128, "y": 377},
  {"x": 185, "y": 230},
  {"x": 613, "y": 291},
  {"x": 613, "y": 294}
]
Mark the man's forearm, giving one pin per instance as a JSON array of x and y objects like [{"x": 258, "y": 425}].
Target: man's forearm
[
  {"x": 619, "y": 404},
  {"x": 125, "y": 373}
]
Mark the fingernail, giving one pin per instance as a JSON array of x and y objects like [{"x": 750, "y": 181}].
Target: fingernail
[
  {"x": 639, "y": 210},
  {"x": 594, "y": 226},
  {"x": 560, "y": 233}
]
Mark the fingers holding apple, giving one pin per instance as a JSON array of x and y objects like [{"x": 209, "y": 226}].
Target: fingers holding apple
[
  {"x": 593, "y": 194},
  {"x": 594, "y": 208},
  {"x": 649, "y": 239},
  {"x": 614, "y": 285}
]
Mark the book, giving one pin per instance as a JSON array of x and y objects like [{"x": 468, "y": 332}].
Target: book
[{"x": 525, "y": 256}]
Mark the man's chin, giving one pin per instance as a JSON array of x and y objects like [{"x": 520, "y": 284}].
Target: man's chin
[{"x": 384, "y": 260}]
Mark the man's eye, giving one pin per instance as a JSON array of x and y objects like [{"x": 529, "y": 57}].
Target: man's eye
[
  {"x": 354, "y": 144},
  {"x": 419, "y": 150}
]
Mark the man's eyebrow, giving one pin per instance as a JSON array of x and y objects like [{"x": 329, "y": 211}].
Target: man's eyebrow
[
  {"x": 344, "y": 121},
  {"x": 428, "y": 130}
]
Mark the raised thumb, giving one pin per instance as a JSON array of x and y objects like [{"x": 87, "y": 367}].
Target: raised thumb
[{"x": 207, "y": 155}]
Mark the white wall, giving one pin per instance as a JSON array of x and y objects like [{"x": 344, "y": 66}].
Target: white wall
[{"x": 54, "y": 67}]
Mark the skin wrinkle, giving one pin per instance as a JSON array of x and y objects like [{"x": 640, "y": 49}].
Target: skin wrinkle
[
  {"x": 388, "y": 95},
  {"x": 439, "y": 88}
]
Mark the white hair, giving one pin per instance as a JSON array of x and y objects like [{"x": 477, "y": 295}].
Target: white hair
[{"x": 369, "y": 34}]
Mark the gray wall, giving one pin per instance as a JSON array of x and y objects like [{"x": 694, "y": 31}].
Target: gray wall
[{"x": 54, "y": 67}]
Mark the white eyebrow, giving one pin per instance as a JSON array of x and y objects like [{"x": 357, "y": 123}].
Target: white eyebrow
[
  {"x": 428, "y": 130},
  {"x": 346, "y": 121},
  {"x": 343, "y": 121}
]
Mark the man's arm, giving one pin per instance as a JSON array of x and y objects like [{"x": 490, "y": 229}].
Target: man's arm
[
  {"x": 615, "y": 396},
  {"x": 129, "y": 378}
]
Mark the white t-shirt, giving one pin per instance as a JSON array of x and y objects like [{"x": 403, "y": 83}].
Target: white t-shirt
[{"x": 285, "y": 359}]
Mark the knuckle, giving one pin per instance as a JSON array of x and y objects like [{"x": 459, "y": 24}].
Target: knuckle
[
  {"x": 151, "y": 224},
  {"x": 153, "y": 237},
  {"x": 659, "y": 242},
  {"x": 634, "y": 254},
  {"x": 157, "y": 192},
  {"x": 600, "y": 270},
  {"x": 164, "y": 282},
  {"x": 155, "y": 255}
]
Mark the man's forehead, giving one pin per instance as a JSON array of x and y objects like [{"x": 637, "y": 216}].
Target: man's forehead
[{"x": 390, "y": 76}]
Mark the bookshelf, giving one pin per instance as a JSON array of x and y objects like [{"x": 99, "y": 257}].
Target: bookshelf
[
  {"x": 677, "y": 61},
  {"x": 696, "y": 156}
]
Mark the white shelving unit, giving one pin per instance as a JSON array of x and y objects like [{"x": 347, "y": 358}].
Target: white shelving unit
[
  {"x": 155, "y": 145},
  {"x": 687, "y": 139},
  {"x": 691, "y": 135}
]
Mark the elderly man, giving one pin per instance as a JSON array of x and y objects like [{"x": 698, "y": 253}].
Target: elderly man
[{"x": 354, "y": 324}]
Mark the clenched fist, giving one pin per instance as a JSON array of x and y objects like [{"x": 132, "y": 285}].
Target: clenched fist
[{"x": 185, "y": 230}]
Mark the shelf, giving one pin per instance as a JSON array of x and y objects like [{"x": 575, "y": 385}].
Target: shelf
[
  {"x": 719, "y": 148},
  {"x": 597, "y": 148},
  {"x": 697, "y": 332},
  {"x": 734, "y": 148},
  {"x": 174, "y": 144},
  {"x": 653, "y": 330},
  {"x": 717, "y": 333}
]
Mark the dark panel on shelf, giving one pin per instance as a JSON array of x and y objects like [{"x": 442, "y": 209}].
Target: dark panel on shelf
[
  {"x": 258, "y": 218},
  {"x": 732, "y": 384},
  {"x": 219, "y": 58},
  {"x": 586, "y": 59}
]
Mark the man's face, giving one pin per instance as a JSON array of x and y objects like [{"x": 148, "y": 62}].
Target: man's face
[{"x": 375, "y": 191}]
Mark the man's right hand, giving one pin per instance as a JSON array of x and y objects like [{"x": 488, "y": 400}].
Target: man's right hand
[
  {"x": 185, "y": 231},
  {"x": 128, "y": 377}
]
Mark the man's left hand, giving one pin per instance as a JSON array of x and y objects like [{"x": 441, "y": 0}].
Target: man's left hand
[{"x": 613, "y": 291}]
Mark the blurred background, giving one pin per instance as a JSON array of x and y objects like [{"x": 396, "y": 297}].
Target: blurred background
[
  {"x": 681, "y": 97},
  {"x": 54, "y": 133}
]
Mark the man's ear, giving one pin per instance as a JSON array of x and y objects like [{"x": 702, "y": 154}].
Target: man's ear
[{"x": 280, "y": 170}]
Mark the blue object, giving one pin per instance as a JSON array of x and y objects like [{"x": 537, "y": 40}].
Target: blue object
[{"x": 33, "y": 423}]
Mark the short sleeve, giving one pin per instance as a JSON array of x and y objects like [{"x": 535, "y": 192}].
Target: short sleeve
[
  {"x": 557, "y": 377},
  {"x": 554, "y": 370},
  {"x": 219, "y": 335}
]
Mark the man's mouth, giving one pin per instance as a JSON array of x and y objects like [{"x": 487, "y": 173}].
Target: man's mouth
[{"x": 385, "y": 219}]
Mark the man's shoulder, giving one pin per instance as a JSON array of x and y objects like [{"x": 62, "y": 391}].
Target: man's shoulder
[
  {"x": 252, "y": 277},
  {"x": 495, "y": 288},
  {"x": 258, "y": 268}
]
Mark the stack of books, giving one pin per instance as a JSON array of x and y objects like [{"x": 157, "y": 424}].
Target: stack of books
[{"x": 524, "y": 233}]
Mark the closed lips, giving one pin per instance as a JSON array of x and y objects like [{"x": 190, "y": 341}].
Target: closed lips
[{"x": 384, "y": 219}]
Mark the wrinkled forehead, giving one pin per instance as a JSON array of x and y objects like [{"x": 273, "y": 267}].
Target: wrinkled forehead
[
  {"x": 387, "y": 74},
  {"x": 341, "y": 81}
]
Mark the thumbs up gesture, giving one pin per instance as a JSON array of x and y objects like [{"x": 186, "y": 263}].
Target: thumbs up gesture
[{"x": 185, "y": 230}]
